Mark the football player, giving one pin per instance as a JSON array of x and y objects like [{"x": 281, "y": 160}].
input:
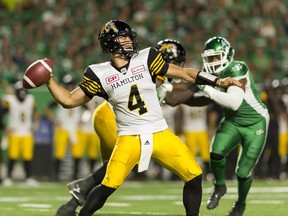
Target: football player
[
  {"x": 245, "y": 121},
  {"x": 21, "y": 115},
  {"x": 66, "y": 122},
  {"x": 105, "y": 126},
  {"x": 87, "y": 140},
  {"x": 195, "y": 132},
  {"x": 127, "y": 81}
]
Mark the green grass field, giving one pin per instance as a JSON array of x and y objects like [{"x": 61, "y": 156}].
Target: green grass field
[{"x": 144, "y": 198}]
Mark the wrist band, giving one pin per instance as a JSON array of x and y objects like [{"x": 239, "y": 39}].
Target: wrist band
[{"x": 204, "y": 78}]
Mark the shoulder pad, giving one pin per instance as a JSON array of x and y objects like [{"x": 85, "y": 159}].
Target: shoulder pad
[{"x": 235, "y": 69}]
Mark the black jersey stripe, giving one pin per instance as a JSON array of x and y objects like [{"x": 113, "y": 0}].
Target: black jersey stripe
[{"x": 91, "y": 86}]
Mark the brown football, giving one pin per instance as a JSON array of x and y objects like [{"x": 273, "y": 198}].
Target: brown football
[{"x": 37, "y": 73}]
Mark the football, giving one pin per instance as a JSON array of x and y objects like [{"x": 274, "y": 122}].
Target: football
[{"x": 37, "y": 73}]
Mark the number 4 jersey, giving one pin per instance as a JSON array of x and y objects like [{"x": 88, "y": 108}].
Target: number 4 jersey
[{"x": 131, "y": 90}]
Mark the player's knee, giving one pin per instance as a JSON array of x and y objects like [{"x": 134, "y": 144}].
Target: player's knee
[
  {"x": 242, "y": 173},
  {"x": 195, "y": 184},
  {"x": 243, "y": 179},
  {"x": 114, "y": 182},
  {"x": 215, "y": 156},
  {"x": 253, "y": 154}
]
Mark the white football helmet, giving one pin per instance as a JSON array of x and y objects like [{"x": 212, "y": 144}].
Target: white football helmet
[{"x": 217, "y": 55}]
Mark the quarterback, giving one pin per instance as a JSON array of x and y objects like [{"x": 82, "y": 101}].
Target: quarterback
[
  {"x": 105, "y": 126},
  {"x": 128, "y": 83}
]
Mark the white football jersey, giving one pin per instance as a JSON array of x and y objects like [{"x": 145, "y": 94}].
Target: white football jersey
[
  {"x": 131, "y": 92},
  {"x": 20, "y": 114},
  {"x": 68, "y": 119},
  {"x": 195, "y": 118},
  {"x": 87, "y": 114},
  {"x": 169, "y": 115}
]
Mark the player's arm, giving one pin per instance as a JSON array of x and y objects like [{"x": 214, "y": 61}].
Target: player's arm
[
  {"x": 181, "y": 93},
  {"x": 158, "y": 67},
  {"x": 193, "y": 75},
  {"x": 198, "y": 101},
  {"x": 64, "y": 97},
  {"x": 231, "y": 99},
  {"x": 189, "y": 96}
]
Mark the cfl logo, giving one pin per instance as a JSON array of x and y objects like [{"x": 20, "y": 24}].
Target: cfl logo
[{"x": 112, "y": 78}]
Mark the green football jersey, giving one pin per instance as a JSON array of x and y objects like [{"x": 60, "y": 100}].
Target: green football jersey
[{"x": 252, "y": 109}]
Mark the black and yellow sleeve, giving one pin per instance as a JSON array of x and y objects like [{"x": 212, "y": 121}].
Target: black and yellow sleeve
[
  {"x": 157, "y": 65},
  {"x": 91, "y": 85}
]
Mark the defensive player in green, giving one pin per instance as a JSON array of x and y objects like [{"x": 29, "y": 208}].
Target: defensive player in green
[{"x": 245, "y": 121}]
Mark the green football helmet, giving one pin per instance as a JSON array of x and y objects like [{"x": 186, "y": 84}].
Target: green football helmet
[{"x": 217, "y": 55}]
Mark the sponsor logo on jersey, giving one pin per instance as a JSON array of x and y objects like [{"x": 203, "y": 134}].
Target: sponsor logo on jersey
[
  {"x": 132, "y": 79},
  {"x": 112, "y": 79},
  {"x": 138, "y": 69}
]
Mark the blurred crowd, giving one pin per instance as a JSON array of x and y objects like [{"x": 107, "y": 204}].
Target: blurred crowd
[{"x": 67, "y": 32}]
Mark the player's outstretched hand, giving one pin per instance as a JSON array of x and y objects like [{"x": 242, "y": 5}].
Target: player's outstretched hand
[{"x": 228, "y": 81}]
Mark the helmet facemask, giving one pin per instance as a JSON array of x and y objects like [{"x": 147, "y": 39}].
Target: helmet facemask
[{"x": 217, "y": 55}]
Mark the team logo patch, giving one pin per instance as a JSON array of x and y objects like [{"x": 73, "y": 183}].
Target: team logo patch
[
  {"x": 259, "y": 132},
  {"x": 138, "y": 69},
  {"x": 170, "y": 48},
  {"x": 109, "y": 26},
  {"x": 112, "y": 79},
  {"x": 237, "y": 67}
]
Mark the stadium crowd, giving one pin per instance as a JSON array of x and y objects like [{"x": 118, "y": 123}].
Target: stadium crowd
[{"x": 66, "y": 31}]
